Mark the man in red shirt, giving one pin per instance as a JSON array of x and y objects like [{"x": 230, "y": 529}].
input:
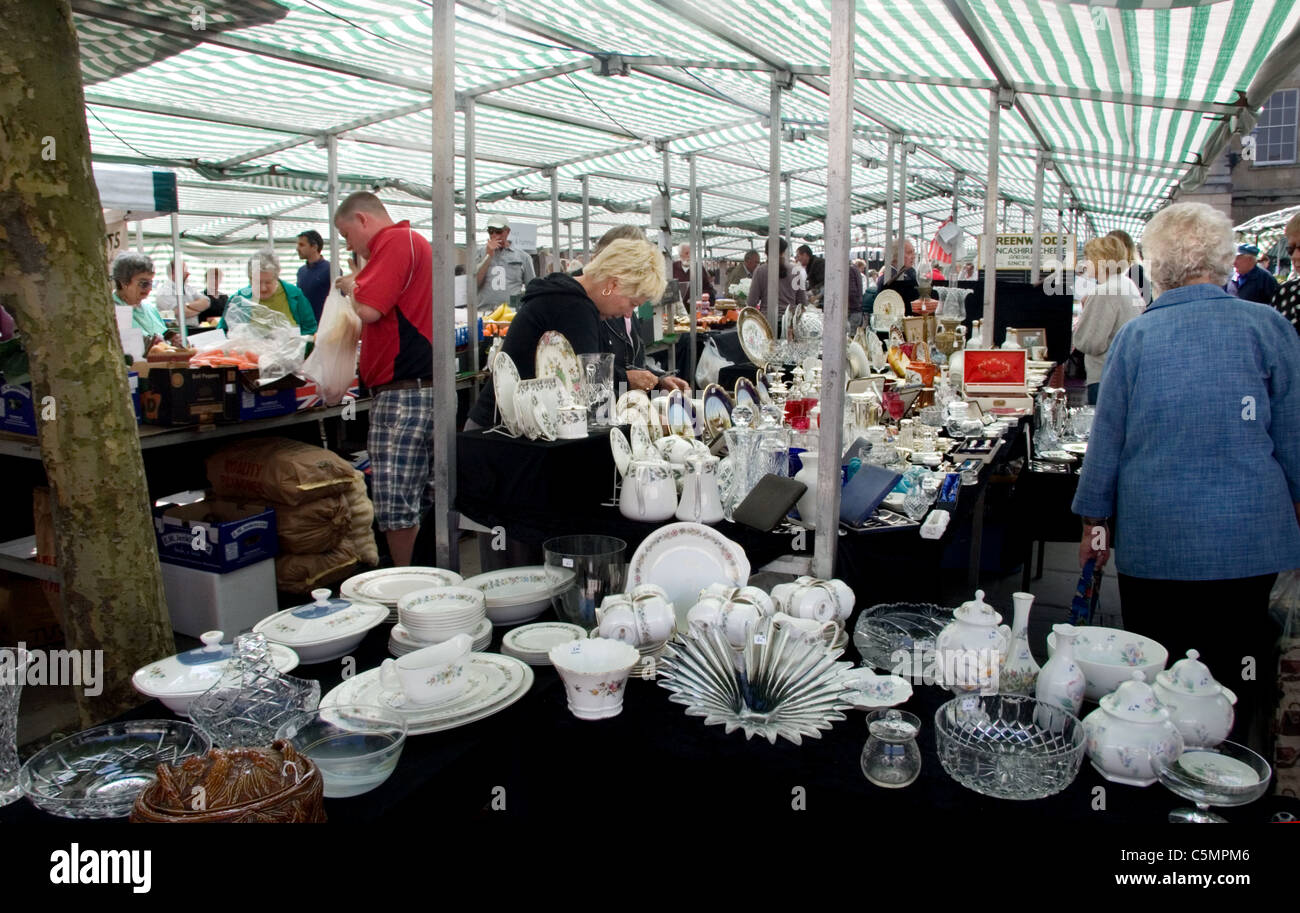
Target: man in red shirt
[{"x": 393, "y": 295}]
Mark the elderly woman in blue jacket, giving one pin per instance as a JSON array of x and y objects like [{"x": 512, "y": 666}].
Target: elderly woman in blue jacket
[
  {"x": 1195, "y": 456},
  {"x": 267, "y": 289}
]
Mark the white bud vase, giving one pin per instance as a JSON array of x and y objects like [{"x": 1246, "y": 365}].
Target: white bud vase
[
  {"x": 1020, "y": 671},
  {"x": 1061, "y": 682},
  {"x": 807, "y": 474}
]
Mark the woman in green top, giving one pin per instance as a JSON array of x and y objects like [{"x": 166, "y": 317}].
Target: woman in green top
[
  {"x": 266, "y": 289},
  {"x": 132, "y": 282}
]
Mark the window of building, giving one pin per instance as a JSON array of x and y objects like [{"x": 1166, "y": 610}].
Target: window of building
[{"x": 1275, "y": 134}]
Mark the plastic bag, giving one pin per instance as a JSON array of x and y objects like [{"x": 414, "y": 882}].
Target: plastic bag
[
  {"x": 333, "y": 362},
  {"x": 710, "y": 363},
  {"x": 260, "y": 336}
]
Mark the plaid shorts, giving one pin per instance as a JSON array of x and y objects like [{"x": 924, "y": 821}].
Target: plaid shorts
[{"x": 401, "y": 456}]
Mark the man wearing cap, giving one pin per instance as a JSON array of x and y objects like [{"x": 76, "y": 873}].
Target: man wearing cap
[
  {"x": 502, "y": 270},
  {"x": 1251, "y": 283}
]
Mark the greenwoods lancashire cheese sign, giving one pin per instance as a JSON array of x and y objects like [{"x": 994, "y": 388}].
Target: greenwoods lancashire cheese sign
[{"x": 1016, "y": 251}]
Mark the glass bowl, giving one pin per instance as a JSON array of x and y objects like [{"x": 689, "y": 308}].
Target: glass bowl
[
  {"x": 1009, "y": 746},
  {"x": 899, "y": 637},
  {"x": 1225, "y": 775},
  {"x": 98, "y": 773},
  {"x": 356, "y": 746}
]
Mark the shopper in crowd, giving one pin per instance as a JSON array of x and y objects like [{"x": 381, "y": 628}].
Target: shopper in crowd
[
  {"x": 132, "y": 281},
  {"x": 1136, "y": 271},
  {"x": 267, "y": 289},
  {"x": 873, "y": 277},
  {"x": 891, "y": 273},
  {"x": 625, "y": 274},
  {"x": 1287, "y": 298},
  {"x": 742, "y": 270},
  {"x": 393, "y": 296},
  {"x": 1249, "y": 282},
  {"x": 622, "y": 335},
  {"x": 1266, "y": 264},
  {"x": 815, "y": 267},
  {"x": 1193, "y": 463},
  {"x": 314, "y": 274},
  {"x": 682, "y": 273},
  {"x": 217, "y": 302},
  {"x": 193, "y": 300},
  {"x": 1113, "y": 301},
  {"x": 861, "y": 266},
  {"x": 787, "y": 294},
  {"x": 502, "y": 270}
]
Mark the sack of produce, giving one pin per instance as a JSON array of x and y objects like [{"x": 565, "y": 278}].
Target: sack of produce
[
  {"x": 278, "y": 469},
  {"x": 361, "y": 533},
  {"x": 332, "y": 364},
  {"x": 304, "y": 573},
  {"x": 314, "y": 527}
]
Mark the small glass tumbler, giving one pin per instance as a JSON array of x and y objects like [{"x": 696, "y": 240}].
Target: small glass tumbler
[{"x": 891, "y": 757}]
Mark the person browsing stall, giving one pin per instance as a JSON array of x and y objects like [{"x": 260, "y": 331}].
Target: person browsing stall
[
  {"x": 393, "y": 296},
  {"x": 314, "y": 274},
  {"x": 132, "y": 281},
  {"x": 625, "y": 274},
  {"x": 503, "y": 270},
  {"x": 265, "y": 288},
  {"x": 164, "y": 295}
]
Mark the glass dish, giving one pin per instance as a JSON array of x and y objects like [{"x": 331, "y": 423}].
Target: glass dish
[
  {"x": 99, "y": 772},
  {"x": 1225, "y": 775},
  {"x": 355, "y": 746},
  {"x": 1009, "y": 746},
  {"x": 898, "y": 637},
  {"x": 252, "y": 698}
]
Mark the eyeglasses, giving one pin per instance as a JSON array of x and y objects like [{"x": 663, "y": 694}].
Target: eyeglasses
[{"x": 144, "y": 283}]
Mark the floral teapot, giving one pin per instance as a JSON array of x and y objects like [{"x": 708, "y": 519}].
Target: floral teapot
[
  {"x": 1128, "y": 730},
  {"x": 971, "y": 648},
  {"x": 1199, "y": 706}
]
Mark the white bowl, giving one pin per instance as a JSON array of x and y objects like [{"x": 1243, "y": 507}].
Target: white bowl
[
  {"x": 503, "y": 615},
  {"x": 1108, "y": 657},
  {"x": 594, "y": 671},
  {"x": 178, "y": 680}
]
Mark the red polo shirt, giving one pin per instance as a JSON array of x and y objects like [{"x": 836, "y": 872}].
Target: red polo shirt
[{"x": 397, "y": 281}]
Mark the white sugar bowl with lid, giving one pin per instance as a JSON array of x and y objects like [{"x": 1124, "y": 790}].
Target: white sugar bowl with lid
[
  {"x": 178, "y": 680},
  {"x": 1128, "y": 730},
  {"x": 1199, "y": 706},
  {"x": 324, "y": 628},
  {"x": 970, "y": 649}
]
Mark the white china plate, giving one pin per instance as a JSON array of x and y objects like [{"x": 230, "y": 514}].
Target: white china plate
[
  {"x": 888, "y": 310},
  {"x": 505, "y": 377},
  {"x": 1212, "y": 767},
  {"x": 518, "y": 585},
  {"x": 496, "y": 682},
  {"x": 749, "y": 395},
  {"x": 400, "y": 634},
  {"x": 401, "y": 648},
  {"x": 681, "y": 415},
  {"x": 684, "y": 558},
  {"x": 641, "y": 443},
  {"x": 1057, "y": 456},
  {"x": 871, "y": 690},
  {"x": 556, "y": 358},
  {"x": 429, "y": 576},
  {"x": 621, "y": 448},
  {"x": 633, "y": 408},
  {"x": 717, "y": 410},
  {"x": 532, "y": 643},
  {"x": 524, "y": 415},
  {"x": 1076, "y": 447}
]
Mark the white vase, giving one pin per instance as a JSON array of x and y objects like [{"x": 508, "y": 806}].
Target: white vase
[
  {"x": 1061, "y": 682},
  {"x": 1019, "y": 670},
  {"x": 807, "y": 474}
]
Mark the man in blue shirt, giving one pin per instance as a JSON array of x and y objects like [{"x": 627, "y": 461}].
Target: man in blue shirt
[
  {"x": 314, "y": 275},
  {"x": 1251, "y": 282},
  {"x": 1195, "y": 454}
]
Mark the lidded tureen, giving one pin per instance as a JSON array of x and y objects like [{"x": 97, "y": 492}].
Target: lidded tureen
[
  {"x": 1199, "y": 706},
  {"x": 1128, "y": 730}
]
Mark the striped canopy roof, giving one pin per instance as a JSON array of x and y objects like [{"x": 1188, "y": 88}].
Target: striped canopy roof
[{"x": 1117, "y": 102}]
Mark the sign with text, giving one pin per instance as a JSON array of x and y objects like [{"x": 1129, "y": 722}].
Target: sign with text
[{"x": 1016, "y": 251}]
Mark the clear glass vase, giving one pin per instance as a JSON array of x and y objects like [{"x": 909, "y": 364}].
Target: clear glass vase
[{"x": 12, "y": 664}]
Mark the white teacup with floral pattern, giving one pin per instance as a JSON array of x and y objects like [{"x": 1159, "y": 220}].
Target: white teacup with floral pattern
[
  {"x": 432, "y": 675},
  {"x": 823, "y": 632},
  {"x": 595, "y": 672}
]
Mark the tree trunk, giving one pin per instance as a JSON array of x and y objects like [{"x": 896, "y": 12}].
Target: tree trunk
[{"x": 52, "y": 259}]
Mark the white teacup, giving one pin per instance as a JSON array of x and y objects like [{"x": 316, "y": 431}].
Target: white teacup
[
  {"x": 739, "y": 622},
  {"x": 656, "y": 618},
  {"x": 816, "y": 601},
  {"x": 721, "y": 590},
  {"x": 618, "y": 622},
  {"x": 432, "y": 675},
  {"x": 572, "y": 422},
  {"x": 595, "y": 672},
  {"x": 675, "y": 449},
  {"x": 783, "y": 593},
  {"x": 756, "y": 597},
  {"x": 807, "y": 628},
  {"x": 709, "y": 612}
]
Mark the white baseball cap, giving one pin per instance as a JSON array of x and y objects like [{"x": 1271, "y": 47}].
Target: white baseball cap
[{"x": 498, "y": 221}]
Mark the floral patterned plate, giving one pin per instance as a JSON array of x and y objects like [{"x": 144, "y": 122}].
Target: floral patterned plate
[
  {"x": 556, "y": 358},
  {"x": 755, "y": 335},
  {"x": 505, "y": 377},
  {"x": 870, "y": 690},
  {"x": 496, "y": 682},
  {"x": 429, "y": 576},
  {"x": 684, "y": 558},
  {"x": 1217, "y": 769}
]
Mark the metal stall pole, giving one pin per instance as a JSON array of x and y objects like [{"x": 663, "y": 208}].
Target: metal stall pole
[
  {"x": 332, "y": 202},
  {"x": 1060, "y": 232},
  {"x": 568, "y": 234},
  {"x": 835, "y": 301},
  {"x": 901, "y": 247},
  {"x": 697, "y": 283},
  {"x": 471, "y": 240},
  {"x": 787, "y": 218},
  {"x": 443, "y": 228},
  {"x": 889, "y": 210},
  {"x": 666, "y": 235},
  {"x": 991, "y": 223},
  {"x": 772, "y": 293},
  {"x": 178, "y": 278},
  {"x": 270, "y": 235},
  {"x": 586, "y": 220},
  {"x": 555, "y": 220},
  {"x": 1036, "y": 261},
  {"x": 139, "y": 235}
]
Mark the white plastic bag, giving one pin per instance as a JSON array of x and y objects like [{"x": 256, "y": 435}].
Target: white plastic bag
[
  {"x": 333, "y": 363},
  {"x": 710, "y": 363},
  {"x": 277, "y": 344}
]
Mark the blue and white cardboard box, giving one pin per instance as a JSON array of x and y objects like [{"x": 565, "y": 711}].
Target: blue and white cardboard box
[{"x": 216, "y": 535}]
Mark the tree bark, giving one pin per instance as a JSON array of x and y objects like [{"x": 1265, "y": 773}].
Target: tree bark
[{"x": 52, "y": 259}]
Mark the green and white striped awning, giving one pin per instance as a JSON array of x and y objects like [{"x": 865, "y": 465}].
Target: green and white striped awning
[{"x": 1120, "y": 103}]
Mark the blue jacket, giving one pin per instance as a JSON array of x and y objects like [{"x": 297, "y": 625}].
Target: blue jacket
[{"x": 1195, "y": 448}]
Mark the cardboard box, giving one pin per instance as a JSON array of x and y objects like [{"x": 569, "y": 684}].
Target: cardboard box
[
  {"x": 201, "y": 601},
  {"x": 266, "y": 403},
  {"x": 216, "y": 535},
  {"x": 308, "y": 396},
  {"x": 189, "y": 396},
  {"x": 17, "y": 411}
]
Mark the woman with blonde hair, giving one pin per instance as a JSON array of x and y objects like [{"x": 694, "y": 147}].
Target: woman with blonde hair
[
  {"x": 1135, "y": 269},
  {"x": 624, "y": 274},
  {"x": 1113, "y": 302}
]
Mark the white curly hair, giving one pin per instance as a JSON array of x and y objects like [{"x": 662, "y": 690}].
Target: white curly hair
[{"x": 1187, "y": 243}]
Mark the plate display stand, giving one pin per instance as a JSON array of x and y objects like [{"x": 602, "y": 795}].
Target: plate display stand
[
  {"x": 500, "y": 427},
  {"x": 616, "y": 492}
]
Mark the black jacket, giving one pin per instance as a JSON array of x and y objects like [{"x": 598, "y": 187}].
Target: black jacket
[
  {"x": 554, "y": 302},
  {"x": 628, "y": 352}
]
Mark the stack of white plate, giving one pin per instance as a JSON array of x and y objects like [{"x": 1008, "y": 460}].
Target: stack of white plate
[
  {"x": 436, "y": 614},
  {"x": 532, "y": 643},
  {"x": 387, "y": 585},
  {"x": 520, "y": 594}
]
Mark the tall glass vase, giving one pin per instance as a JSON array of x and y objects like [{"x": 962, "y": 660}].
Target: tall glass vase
[
  {"x": 1019, "y": 670},
  {"x": 12, "y": 663}
]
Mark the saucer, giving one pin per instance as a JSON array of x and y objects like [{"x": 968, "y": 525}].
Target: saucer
[{"x": 870, "y": 690}]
